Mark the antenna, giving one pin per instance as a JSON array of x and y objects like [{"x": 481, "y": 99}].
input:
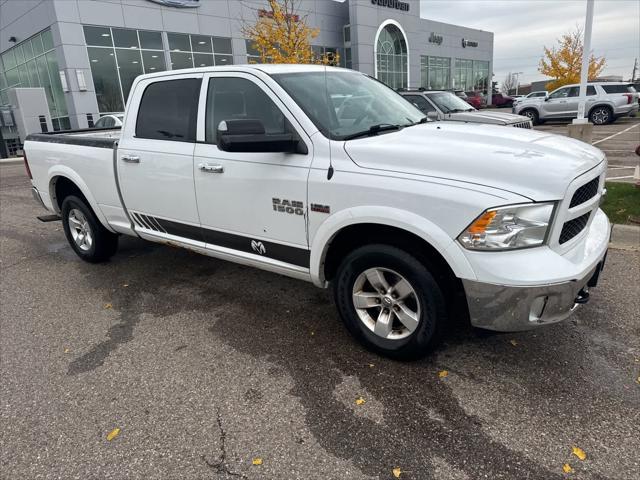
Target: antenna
[{"x": 326, "y": 91}]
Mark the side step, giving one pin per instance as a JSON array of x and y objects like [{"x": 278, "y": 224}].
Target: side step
[{"x": 49, "y": 218}]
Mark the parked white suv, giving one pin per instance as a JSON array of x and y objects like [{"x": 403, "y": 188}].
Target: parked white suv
[
  {"x": 536, "y": 94},
  {"x": 327, "y": 175},
  {"x": 606, "y": 101}
]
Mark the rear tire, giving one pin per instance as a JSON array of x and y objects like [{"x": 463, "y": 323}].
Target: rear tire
[
  {"x": 390, "y": 302},
  {"x": 89, "y": 239},
  {"x": 532, "y": 114},
  {"x": 601, "y": 115}
]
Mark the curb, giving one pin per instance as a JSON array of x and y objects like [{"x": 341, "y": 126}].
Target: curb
[
  {"x": 625, "y": 237},
  {"x": 11, "y": 161}
]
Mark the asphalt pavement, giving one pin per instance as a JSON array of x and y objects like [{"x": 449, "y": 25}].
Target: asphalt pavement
[{"x": 213, "y": 370}]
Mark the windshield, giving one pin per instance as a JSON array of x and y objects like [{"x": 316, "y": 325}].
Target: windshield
[
  {"x": 352, "y": 103},
  {"x": 450, "y": 103}
]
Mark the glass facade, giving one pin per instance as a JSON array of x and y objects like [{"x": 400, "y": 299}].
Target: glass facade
[
  {"x": 118, "y": 55},
  {"x": 33, "y": 63},
  {"x": 435, "y": 72},
  {"x": 391, "y": 57},
  {"x": 471, "y": 75}
]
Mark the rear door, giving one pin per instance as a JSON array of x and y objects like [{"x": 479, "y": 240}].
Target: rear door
[
  {"x": 155, "y": 158},
  {"x": 251, "y": 204}
]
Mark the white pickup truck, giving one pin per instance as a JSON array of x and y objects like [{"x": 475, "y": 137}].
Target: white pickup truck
[{"x": 328, "y": 176}]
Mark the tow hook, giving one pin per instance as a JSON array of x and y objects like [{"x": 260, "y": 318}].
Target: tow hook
[{"x": 583, "y": 296}]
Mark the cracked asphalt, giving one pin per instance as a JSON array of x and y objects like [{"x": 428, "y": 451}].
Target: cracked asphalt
[{"x": 206, "y": 365}]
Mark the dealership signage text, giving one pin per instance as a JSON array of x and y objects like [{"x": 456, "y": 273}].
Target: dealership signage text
[
  {"x": 397, "y": 4},
  {"x": 435, "y": 38},
  {"x": 468, "y": 43}
]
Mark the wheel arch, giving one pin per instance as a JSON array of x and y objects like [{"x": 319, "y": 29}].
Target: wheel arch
[{"x": 64, "y": 182}]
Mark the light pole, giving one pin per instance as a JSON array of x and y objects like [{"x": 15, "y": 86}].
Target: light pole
[
  {"x": 584, "y": 73},
  {"x": 517, "y": 74}
]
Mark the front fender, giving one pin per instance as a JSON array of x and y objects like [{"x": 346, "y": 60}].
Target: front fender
[
  {"x": 59, "y": 170},
  {"x": 392, "y": 217}
]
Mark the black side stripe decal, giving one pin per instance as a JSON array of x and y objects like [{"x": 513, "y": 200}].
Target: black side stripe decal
[{"x": 276, "y": 251}]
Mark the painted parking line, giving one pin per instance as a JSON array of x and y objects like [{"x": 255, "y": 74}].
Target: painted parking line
[{"x": 616, "y": 134}]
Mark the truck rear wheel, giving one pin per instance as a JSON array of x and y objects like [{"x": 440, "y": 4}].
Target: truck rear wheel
[
  {"x": 89, "y": 239},
  {"x": 390, "y": 301}
]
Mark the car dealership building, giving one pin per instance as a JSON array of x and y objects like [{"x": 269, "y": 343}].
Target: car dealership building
[{"x": 86, "y": 53}]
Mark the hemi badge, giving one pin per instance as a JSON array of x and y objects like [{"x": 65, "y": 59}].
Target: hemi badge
[{"x": 315, "y": 207}]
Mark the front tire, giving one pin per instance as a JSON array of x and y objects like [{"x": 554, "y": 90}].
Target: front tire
[
  {"x": 532, "y": 114},
  {"x": 390, "y": 301},
  {"x": 601, "y": 115},
  {"x": 89, "y": 239}
]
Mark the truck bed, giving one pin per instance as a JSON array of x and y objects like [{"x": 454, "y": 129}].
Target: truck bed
[{"x": 88, "y": 137}]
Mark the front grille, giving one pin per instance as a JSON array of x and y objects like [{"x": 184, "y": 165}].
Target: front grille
[
  {"x": 526, "y": 124},
  {"x": 585, "y": 192},
  {"x": 573, "y": 227}
]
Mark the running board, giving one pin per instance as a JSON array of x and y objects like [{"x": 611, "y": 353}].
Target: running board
[{"x": 49, "y": 218}]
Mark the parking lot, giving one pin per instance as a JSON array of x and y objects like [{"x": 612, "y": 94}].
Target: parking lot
[{"x": 213, "y": 370}]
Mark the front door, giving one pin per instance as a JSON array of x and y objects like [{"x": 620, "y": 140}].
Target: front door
[
  {"x": 251, "y": 204},
  {"x": 558, "y": 103},
  {"x": 155, "y": 158}
]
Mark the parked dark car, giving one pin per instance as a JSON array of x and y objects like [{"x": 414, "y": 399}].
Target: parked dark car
[
  {"x": 500, "y": 100},
  {"x": 476, "y": 99}
]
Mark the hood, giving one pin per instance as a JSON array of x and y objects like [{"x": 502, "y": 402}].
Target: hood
[
  {"x": 481, "y": 116},
  {"x": 534, "y": 164}
]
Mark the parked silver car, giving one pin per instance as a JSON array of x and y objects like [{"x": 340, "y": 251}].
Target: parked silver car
[
  {"x": 606, "y": 101},
  {"x": 440, "y": 105}
]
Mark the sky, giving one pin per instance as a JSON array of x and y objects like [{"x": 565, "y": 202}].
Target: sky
[{"x": 523, "y": 27}]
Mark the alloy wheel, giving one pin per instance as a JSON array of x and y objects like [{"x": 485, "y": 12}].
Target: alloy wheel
[
  {"x": 80, "y": 229},
  {"x": 600, "y": 116},
  {"x": 386, "y": 303}
]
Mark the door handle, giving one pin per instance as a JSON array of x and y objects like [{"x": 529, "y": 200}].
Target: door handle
[
  {"x": 131, "y": 158},
  {"x": 211, "y": 168}
]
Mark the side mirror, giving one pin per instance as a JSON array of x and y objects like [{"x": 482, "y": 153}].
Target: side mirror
[
  {"x": 248, "y": 135},
  {"x": 433, "y": 116}
]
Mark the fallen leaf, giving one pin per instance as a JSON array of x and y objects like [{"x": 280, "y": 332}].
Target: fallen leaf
[
  {"x": 113, "y": 434},
  {"x": 108, "y": 305},
  {"x": 443, "y": 373},
  {"x": 313, "y": 333},
  {"x": 371, "y": 365},
  {"x": 360, "y": 401},
  {"x": 513, "y": 342},
  {"x": 578, "y": 452},
  {"x": 638, "y": 380},
  {"x": 66, "y": 350},
  {"x": 396, "y": 472},
  {"x": 257, "y": 461},
  {"x": 566, "y": 468},
  {"x": 125, "y": 285}
]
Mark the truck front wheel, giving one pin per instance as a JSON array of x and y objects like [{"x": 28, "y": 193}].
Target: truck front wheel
[
  {"x": 390, "y": 301},
  {"x": 89, "y": 239}
]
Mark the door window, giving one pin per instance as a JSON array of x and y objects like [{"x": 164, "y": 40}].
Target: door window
[
  {"x": 169, "y": 110},
  {"x": 562, "y": 93},
  {"x": 239, "y": 98},
  {"x": 420, "y": 102}
]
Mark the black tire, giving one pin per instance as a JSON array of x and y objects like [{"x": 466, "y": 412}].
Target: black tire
[
  {"x": 427, "y": 298},
  {"x": 532, "y": 114},
  {"x": 601, "y": 115},
  {"x": 104, "y": 243}
]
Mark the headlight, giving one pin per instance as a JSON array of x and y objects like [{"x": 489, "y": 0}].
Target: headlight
[{"x": 506, "y": 228}]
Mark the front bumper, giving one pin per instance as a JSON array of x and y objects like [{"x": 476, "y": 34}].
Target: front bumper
[{"x": 510, "y": 307}]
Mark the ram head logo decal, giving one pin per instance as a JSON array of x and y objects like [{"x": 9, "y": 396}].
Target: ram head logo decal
[{"x": 258, "y": 247}]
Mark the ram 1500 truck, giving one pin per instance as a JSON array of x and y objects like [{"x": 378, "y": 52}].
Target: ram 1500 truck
[{"x": 329, "y": 176}]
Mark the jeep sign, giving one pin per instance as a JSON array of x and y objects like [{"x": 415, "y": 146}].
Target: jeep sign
[
  {"x": 435, "y": 38},
  {"x": 397, "y": 4}
]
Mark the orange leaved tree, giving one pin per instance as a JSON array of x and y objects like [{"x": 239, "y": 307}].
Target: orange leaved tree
[
  {"x": 564, "y": 62},
  {"x": 280, "y": 35}
]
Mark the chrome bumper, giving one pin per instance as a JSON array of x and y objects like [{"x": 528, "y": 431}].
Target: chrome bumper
[{"x": 509, "y": 309}]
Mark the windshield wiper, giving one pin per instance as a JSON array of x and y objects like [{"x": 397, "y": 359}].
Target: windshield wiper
[
  {"x": 373, "y": 130},
  {"x": 424, "y": 119}
]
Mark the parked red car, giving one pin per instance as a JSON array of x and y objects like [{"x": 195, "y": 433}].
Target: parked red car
[
  {"x": 500, "y": 100},
  {"x": 476, "y": 99}
]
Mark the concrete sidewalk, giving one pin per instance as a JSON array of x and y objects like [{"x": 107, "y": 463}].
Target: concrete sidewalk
[{"x": 625, "y": 237}]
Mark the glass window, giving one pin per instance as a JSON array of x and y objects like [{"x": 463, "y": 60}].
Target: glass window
[
  {"x": 391, "y": 57},
  {"x": 13, "y": 77},
  {"x": 222, "y": 45},
  {"x": 203, "y": 60},
  {"x": 420, "y": 102},
  {"x": 561, "y": 93},
  {"x": 105, "y": 79},
  {"x": 239, "y": 98},
  {"x": 347, "y": 33},
  {"x": 9, "y": 59},
  {"x": 129, "y": 66},
  {"x": 342, "y": 103},
  {"x": 150, "y": 40},
  {"x": 181, "y": 60},
  {"x": 449, "y": 103},
  {"x": 3, "y": 80},
  {"x": 619, "y": 88},
  {"x": 28, "y": 50},
  {"x": 201, "y": 44},
  {"x": 125, "y": 38},
  {"x": 435, "y": 72},
  {"x": 45, "y": 82},
  {"x": 36, "y": 43},
  {"x": 56, "y": 84},
  {"x": 179, "y": 42},
  {"x": 24, "y": 76},
  {"x": 19, "y": 54},
  {"x": 105, "y": 122},
  {"x": 169, "y": 110},
  {"x": 47, "y": 40},
  {"x": 153, "y": 61},
  {"x": 222, "y": 60},
  {"x": 591, "y": 90},
  {"x": 97, "y": 36}
]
